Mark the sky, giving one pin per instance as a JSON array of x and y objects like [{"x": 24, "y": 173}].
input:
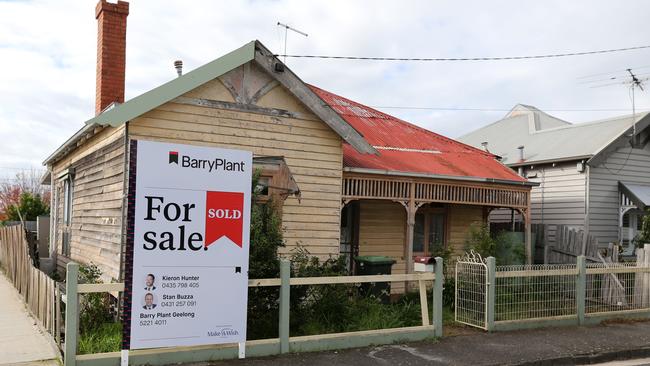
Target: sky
[{"x": 48, "y": 55}]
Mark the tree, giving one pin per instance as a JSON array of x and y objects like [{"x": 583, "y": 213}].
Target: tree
[
  {"x": 265, "y": 240},
  {"x": 643, "y": 237},
  {"x": 24, "y": 182},
  {"x": 28, "y": 208}
]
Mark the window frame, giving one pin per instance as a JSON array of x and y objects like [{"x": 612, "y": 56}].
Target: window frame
[
  {"x": 66, "y": 179},
  {"x": 428, "y": 213}
]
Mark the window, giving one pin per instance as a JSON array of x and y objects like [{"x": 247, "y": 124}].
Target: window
[
  {"x": 429, "y": 232},
  {"x": 66, "y": 191},
  {"x": 67, "y": 201},
  {"x": 262, "y": 187}
]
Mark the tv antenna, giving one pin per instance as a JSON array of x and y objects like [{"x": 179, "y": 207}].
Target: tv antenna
[
  {"x": 633, "y": 81},
  {"x": 287, "y": 28}
]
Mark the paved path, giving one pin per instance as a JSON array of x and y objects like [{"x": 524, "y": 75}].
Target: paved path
[
  {"x": 21, "y": 340},
  {"x": 553, "y": 346}
]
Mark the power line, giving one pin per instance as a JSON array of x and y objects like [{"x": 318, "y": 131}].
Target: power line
[
  {"x": 502, "y": 58},
  {"x": 503, "y": 109}
]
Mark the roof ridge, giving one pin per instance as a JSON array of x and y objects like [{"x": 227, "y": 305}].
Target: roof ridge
[
  {"x": 408, "y": 124},
  {"x": 637, "y": 116}
]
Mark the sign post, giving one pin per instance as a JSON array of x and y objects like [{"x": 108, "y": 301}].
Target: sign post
[{"x": 186, "y": 262}]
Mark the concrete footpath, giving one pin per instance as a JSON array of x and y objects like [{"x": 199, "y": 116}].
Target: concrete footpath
[
  {"x": 21, "y": 340},
  {"x": 551, "y": 346}
]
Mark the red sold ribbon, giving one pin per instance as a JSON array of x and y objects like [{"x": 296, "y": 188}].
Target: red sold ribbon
[{"x": 224, "y": 213}]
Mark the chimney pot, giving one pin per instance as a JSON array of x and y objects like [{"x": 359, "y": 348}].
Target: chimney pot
[
  {"x": 521, "y": 153},
  {"x": 178, "y": 64},
  {"x": 111, "y": 53}
]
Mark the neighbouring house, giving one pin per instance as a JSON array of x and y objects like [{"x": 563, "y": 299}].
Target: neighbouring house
[
  {"x": 351, "y": 179},
  {"x": 593, "y": 176}
]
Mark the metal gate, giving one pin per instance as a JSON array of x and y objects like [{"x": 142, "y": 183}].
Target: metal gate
[{"x": 472, "y": 290}]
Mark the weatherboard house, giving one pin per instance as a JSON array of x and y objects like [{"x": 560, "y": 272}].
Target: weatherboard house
[
  {"x": 352, "y": 180},
  {"x": 593, "y": 176}
]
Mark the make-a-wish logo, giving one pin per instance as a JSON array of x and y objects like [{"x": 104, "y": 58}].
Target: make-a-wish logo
[
  {"x": 173, "y": 157},
  {"x": 223, "y": 333}
]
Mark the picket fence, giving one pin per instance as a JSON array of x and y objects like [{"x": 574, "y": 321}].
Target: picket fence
[{"x": 40, "y": 292}]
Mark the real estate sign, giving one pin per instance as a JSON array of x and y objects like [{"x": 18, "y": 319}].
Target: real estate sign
[{"x": 187, "y": 247}]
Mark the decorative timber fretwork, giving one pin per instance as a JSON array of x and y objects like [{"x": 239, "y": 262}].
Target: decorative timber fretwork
[
  {"x": 470, "y": 193},
  {"x": 412, "y": 193}
]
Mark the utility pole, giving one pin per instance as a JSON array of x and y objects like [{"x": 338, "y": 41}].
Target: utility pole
[{"x": 286, "y": 30}]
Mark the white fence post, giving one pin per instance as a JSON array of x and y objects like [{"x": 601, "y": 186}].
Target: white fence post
[
  {"x": 581, "y": 287},
  {"x": 437, "y": 298},
  {"x": 71, "y": 314},
  {"x": 646, "y": 276},
  {"x": 490, "y": 302},
  {"x": 285, "y": 273}
]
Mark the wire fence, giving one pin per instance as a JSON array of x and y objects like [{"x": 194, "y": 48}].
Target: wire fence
[
  {"x": 535, "y": 291},
  {"x": 615, "y": 287},
  {"x": 504, "y": 297}
]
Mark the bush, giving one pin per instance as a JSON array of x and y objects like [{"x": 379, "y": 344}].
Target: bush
[
  {"x": 320, "y": 308},
  {"x": 481, "y": 241},
  {"x": 266, "y": 239},
  {"x": 449, "y": 292},
  {"x": 28, "y": 208},
  {"x": 94, "y": 308},
  {"x": 506, "y": 247},
  {"x": 643, "y": 237}
]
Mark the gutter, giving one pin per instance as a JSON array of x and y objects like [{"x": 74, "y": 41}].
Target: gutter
[
  {"x": 85, "y": 130},
  {"x": 438, "y": 176},
  {"x": 560, "y": 160}
]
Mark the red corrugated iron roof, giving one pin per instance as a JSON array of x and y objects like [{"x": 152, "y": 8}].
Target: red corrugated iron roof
[{"x": 404, "y": 147}]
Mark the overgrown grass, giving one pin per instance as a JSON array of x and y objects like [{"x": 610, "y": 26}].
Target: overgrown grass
[
  {"x": 357, "y": 313},
  {"x": 105, "y": 338}
]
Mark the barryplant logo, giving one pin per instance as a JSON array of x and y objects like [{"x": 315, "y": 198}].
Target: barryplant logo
[
  {"x": 173, "y": 157},
  {"x": 211, "y": 165}
]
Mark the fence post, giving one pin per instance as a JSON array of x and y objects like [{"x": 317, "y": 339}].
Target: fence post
[
  {"x": 490, "y": 300},
  {"x": 71, "y": 314},
  {"x": 285, "y": 273},
  {"x": 581, "y": 288},
  {"x": 438, "y": 283}
]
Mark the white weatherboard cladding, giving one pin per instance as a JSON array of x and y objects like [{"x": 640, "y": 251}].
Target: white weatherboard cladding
[
  {"x": 627, "y": 165},
  {"x": 562, "y": 188},
  {"x": 200, "y": 296}
]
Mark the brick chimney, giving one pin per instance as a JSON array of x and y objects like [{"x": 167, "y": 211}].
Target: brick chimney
[{"x": 111, "y": 52}]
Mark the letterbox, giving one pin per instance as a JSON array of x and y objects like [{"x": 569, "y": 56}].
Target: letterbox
[{"x": 423, "y": 264}]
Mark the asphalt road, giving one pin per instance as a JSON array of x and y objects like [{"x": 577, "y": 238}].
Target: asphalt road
[{"x": 553, "y": 346}]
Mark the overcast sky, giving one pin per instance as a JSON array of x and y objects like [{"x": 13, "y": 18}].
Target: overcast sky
[{"x": 48, "y": 51}]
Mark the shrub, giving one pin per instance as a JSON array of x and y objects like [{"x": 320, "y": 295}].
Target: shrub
[
  {"x": 321, "y": 307},
  {"x": 94, "y": 308},
  {"x": 506, "y": 247},
  {"x": 28, "y": 208},
  {"x": 265, "y": 240},
  {"x": 643, "y": 237}
]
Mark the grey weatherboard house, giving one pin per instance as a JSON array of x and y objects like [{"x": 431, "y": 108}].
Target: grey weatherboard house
[{"x": 592, "y": 176}]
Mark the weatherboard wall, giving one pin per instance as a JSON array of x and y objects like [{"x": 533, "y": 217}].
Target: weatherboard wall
[
  {"x": 274, "y": 124},
  {"x": 98, "y": 191},
  {"x": 559, "y": 198},
  {"x": 627, "y": 165}
]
